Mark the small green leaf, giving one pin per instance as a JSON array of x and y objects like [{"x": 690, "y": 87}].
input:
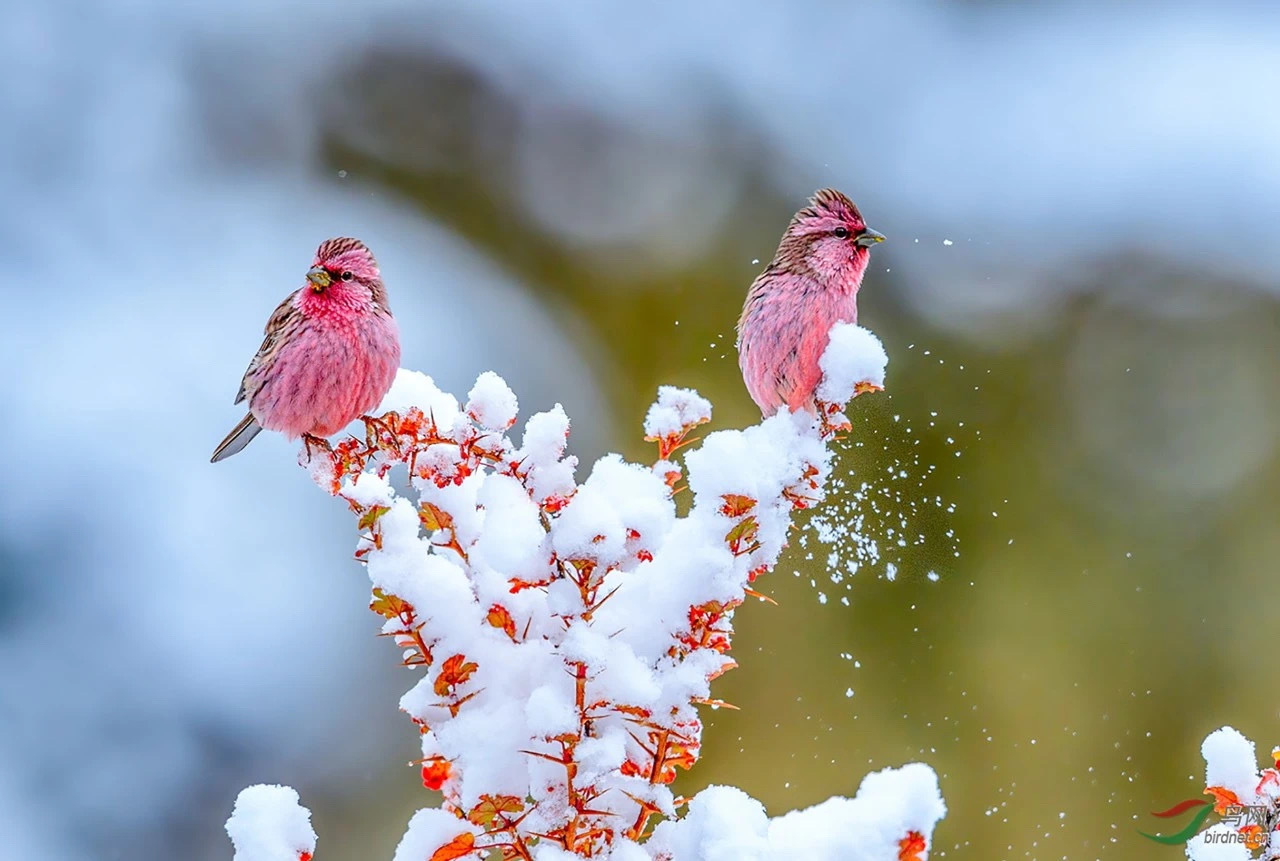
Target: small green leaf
[{"x": 371, "y": 516}]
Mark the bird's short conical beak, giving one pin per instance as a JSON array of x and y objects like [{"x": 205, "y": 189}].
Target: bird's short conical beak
[
  {"x": 319, "y": 278},
  {"x": 869, "y": 237}
]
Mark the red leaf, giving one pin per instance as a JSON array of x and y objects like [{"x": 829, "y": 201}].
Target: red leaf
[
  {"x": 910, "y": 847},
  {"x": 1222, "y": 798},
  {"x": 518, "y": 585},
  {"x": 728, "y": 665},
  {"x": 463, "y": 844},
  {"x": 552, "y": 504},
  {"x": 736, "y": 505},
  {"x": 454, "y": 671},
  {"x": 434, "y": 773},
  {"x": 389, "y": 605},
  {"x": 433, "y": 517},
  {"x": 631, "y": 769},
  {"x": 499, "y": 618},
  {"x": 491, "y": 806}
]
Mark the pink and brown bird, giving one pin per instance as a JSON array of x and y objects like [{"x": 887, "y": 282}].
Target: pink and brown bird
[
  {"x": 330, "y": 353},
  {"x": 810, "y": 285}
]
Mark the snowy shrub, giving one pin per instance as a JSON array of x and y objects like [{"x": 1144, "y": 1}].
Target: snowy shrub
[
  {"x": 1247, "y": 799},
  {"x": 566, "y": 633}
]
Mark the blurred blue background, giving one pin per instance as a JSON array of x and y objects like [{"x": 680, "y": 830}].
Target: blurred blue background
[{"x": 1079, "y": 299}]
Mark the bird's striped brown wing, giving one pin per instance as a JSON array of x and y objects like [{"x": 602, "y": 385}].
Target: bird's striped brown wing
[
  {"x": 282, "y": 319},
  {"x": 755, "y": 294}
]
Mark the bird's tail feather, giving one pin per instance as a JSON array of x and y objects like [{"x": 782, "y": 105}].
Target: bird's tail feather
[{"x": 239, "y": 437}]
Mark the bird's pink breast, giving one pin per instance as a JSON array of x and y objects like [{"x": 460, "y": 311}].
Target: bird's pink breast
[
  {"x": 336, "y": 369},
  {"x": 784, "y": 336}
]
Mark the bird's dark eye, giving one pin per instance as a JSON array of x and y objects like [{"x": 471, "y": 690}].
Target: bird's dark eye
[
  {"x": 842, "y": 232},
  {"x": 347, "y": 276}
]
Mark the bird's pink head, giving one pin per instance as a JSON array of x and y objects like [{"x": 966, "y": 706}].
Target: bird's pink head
[
  {"x": 830, "y": 238},
  {"x": 344, "y": 273}
]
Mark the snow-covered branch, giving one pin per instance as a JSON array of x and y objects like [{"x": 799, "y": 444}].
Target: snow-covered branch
[
  {"x": 567, "y": 633},
  {"x": 1247, "y": 799},
  {"x": 268, "y": 824}
]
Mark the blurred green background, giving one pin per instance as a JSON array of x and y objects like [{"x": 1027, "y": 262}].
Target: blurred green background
[{"x": 1080, "y": 298}]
